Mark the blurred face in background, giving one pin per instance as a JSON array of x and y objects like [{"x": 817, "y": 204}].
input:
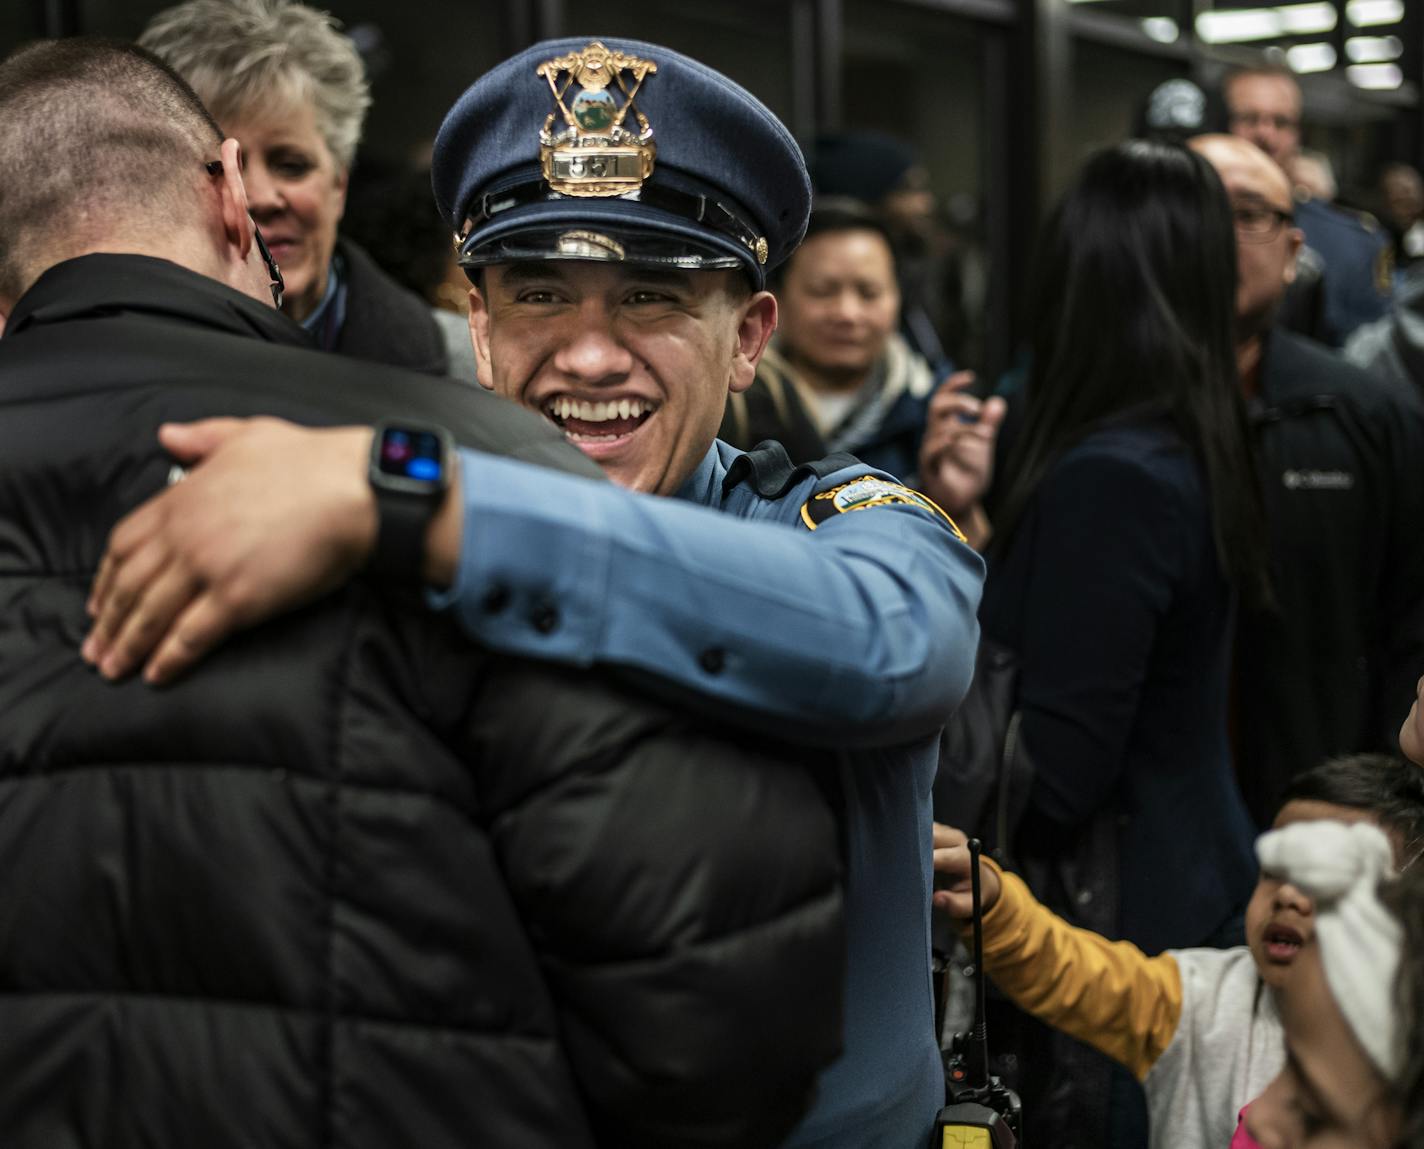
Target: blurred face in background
[
  {"x": 839, "y": 305},
  {"x": 296, "y": 193},
  {"x": 1265, "y": 109},
  {"x": 1403, "y": 195},
  {"x": 909, "y": 209},
  {"x": 1266, "y": 241}
]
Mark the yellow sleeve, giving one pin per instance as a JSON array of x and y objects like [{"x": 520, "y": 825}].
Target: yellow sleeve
[{"x": 1108, "y": 994}]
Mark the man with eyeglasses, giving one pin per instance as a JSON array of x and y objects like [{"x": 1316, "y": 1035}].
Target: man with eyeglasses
[
  {"x": 1263, "y": 105},
  {"x": 360, "y": 882},
  {"x": 1341, "y": 463}
]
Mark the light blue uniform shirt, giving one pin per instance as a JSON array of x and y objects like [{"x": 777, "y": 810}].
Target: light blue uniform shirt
[{"x": 860, "y": 633}]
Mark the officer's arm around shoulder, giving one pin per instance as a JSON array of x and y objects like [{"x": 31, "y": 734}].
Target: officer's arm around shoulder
[
  {"x": 858, "y": 629},
  {"x": 682, "y": 893}
]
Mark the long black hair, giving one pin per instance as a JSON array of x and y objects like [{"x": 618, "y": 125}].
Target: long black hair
[{"x": 1132, "y": 312}]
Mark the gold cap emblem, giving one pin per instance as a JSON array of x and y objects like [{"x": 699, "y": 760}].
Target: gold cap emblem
[{"x": 593, "y": 153}]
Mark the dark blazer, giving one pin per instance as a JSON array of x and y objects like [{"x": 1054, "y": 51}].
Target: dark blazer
[
  {"x": 355, "y": 882},
  {"x": 385, "y": 322},
  {"x": 1111, "y": 594}
]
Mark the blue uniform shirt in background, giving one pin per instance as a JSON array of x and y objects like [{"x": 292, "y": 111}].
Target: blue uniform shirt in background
[
  {"x": 1358, "y": 258},
  {"x": 859, "y": 635}
]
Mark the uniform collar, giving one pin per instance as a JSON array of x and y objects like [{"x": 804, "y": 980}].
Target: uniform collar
[
  {"x": 704, "y": 485},
  {"x": 102, "y": 285}
]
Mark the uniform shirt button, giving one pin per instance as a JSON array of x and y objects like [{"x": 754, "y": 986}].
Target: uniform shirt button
[
  {"x": 496, "y": 599},
  {"x": 545, "y": 619},
  {"x": 713, "y": 659}
]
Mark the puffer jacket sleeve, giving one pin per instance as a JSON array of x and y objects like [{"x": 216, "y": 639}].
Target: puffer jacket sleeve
[{"x": 682, "y": 889}]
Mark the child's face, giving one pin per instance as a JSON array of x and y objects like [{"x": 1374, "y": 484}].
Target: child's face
[
  {"x": 1329, "y": 1095},
  {"x": 1280, "y": 919}
]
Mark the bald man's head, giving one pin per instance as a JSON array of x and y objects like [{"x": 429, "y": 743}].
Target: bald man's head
[
  {"x": 1266, "y": 240},
  {"x": 1246, "y": 162}
]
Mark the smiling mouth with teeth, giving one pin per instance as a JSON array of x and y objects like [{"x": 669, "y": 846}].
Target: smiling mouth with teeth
[{"x": 599, "y": 422}]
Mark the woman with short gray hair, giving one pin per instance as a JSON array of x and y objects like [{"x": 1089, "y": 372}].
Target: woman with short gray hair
[{"x": 290, "y": 87}]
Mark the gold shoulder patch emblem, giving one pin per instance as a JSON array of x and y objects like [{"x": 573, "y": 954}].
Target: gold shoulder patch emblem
[{"x": 863, "y": 493}]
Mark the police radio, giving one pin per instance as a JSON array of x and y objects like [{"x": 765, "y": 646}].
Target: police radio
[{"x": 982, "y": 1112}]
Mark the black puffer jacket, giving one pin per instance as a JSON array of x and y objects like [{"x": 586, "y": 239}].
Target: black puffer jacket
[
  {"x": 353, "y": 882},
  {"x": 385, "y": 322}
]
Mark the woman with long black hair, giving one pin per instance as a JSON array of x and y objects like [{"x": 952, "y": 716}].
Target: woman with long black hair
[{"x": 1130, "y": 523}]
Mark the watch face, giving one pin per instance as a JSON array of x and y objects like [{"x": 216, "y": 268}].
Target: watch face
[{"x": 410, "y": 454}]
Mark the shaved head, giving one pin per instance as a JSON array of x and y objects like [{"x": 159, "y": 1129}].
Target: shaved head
[
  {"x": 97, "y": 138},
  {"x": 1247, "y": 162}
]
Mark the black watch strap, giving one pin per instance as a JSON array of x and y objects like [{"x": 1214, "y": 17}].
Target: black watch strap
[
  {"x": 409, "y": 475},
  {"x": 402, "y": 520}
]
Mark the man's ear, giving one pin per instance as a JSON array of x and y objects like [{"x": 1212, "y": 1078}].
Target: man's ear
[
  {"x": 1294, "y": 239},
  {"x": 479, "y": 339},
  {"x": 754, "y": 331},
  {"x": 237, "y": 223}
]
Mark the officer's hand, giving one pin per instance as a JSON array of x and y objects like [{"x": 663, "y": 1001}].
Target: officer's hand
[
  {"x": 271, "y": 516},
  {"x": 956, "y": 460},
  {"x": 951, "y": 858}
]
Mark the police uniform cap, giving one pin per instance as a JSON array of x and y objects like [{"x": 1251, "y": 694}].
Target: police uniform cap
[{"x": 728, "y": 186}]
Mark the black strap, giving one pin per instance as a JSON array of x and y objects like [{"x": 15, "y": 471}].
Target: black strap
[
  {"x": 772, "y": 473},
  {"x": 402, "y": 520},
  {"x": 710, "y": 213}
]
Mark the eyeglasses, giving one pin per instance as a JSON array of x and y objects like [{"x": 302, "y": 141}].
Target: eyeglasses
[
  {"x": 274, "y": 273},
  {"x": 1264, "y": 120},
  {"x": 1257, "y": 223}
]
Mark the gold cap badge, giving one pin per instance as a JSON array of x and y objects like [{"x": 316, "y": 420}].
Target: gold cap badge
[{"x": 594, "y": 154}]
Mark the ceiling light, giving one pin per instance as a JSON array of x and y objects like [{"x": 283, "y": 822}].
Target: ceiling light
[
  {"x": 1370, "y": 13},
  {"x": 1373, "y": 49},
  {"x": 1308, "y": 19},
  {"x": 1232, "y": 25},
  {"x": 1163, "y": 29},
  {"x": 1377, "y": 77},
  {"x": 1311, "y": 57}
]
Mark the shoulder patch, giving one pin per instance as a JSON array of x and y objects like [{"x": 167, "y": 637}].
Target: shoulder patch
[
  {"x": 863, "y": 493},
  {"x": 1384, "y": 270}
]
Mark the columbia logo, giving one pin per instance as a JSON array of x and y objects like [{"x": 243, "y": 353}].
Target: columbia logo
[{"x": 1317, "y": 480}]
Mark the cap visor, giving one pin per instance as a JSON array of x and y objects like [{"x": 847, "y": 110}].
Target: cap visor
[{"x": 607, "y": 231}]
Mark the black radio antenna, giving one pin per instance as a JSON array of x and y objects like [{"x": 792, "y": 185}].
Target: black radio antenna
[
  {"x": 981, "y": 1108},
  {"x": 977, "y": 1050}
]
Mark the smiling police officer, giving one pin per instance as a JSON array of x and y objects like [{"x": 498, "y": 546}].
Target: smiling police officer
[{"x": 618, "y": 206}]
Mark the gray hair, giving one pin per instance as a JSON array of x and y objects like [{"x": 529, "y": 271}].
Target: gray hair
[{"x": 239, "y": 54}]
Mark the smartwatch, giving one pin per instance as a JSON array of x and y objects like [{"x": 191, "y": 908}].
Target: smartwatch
[{"x": 409, "y": 473}]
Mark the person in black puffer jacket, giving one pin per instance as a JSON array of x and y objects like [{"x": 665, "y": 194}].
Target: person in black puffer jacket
[{"x": 355, "y": 883}]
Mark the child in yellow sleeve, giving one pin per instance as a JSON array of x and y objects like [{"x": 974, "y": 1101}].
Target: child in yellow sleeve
[{"x": 1198, "y": 1027}]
